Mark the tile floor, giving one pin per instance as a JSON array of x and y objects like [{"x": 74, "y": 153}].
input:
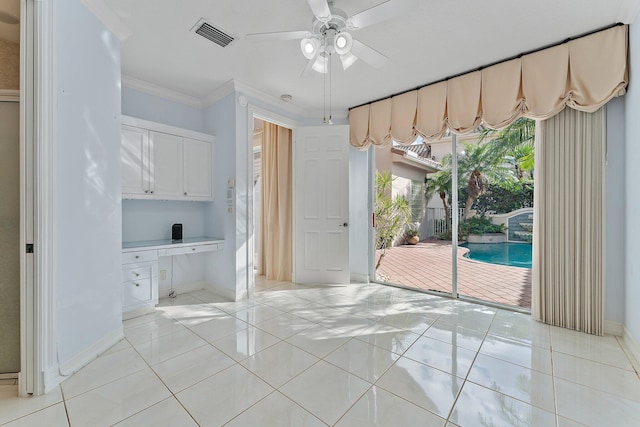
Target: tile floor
[{"x": 357, "y": 355}]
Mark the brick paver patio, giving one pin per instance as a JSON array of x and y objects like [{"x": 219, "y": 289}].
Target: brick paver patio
[{"x": 427, "y": 265}]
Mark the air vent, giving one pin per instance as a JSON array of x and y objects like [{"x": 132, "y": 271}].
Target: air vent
[{"x": 212, "y": 33}]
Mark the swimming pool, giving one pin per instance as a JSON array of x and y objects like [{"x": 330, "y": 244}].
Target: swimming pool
[{"x": 512, "y": 254}]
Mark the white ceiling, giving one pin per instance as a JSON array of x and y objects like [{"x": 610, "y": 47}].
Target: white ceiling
[{"x": 441, "y": 38}]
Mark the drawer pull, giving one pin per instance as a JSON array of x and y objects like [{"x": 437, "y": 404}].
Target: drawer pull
[
  {"x": 137, "y": 274},
  {"x": 185, "y": 193},
  {"x": 137, "y": 256},
  {"x": 137, "y": 284},
  {"x": 193, "y": 249}
]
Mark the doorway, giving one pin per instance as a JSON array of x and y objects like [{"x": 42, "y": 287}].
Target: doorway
[
  {"x": 10, "y": 239},
  {"x": 272, "y": 166}
]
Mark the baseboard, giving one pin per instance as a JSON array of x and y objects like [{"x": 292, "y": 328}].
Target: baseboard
[
  {"x": 223, "y": 292},
  {"x": 84, "y": 357},
  {"x": 632, "y": 348},
  {"x": 183, "y": 288},
  {"x": 359, "y": 278},
  {"x": 613, "y": 328}
]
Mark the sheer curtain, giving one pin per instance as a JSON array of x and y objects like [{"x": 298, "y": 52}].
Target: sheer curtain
[
  {"x": 568, "y": 243},
  {"x": 276, "y": 216}
]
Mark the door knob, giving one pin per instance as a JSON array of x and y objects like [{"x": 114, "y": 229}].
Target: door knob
[{"x": 344, "y": 224}]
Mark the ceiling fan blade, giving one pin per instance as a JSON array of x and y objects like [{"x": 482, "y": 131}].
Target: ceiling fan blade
[
  {"x": 382, "y": 12},
  {"x": 279, "y": 35},
  {"x": 368, "y": 54},
  {"x": 308, "y": 70},
  {"x": 320, "y": 9}
]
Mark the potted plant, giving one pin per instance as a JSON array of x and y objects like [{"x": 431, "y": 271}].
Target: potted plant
[{"x": 411, "y": 236}]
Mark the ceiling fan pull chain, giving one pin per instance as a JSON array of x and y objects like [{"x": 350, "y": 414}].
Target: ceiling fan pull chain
[{"x": 330, "y": 83}]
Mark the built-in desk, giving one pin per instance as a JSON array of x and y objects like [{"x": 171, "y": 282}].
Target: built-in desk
[{"x": 140, "y": 268}]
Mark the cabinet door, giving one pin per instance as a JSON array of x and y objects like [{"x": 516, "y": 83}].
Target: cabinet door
[
  {"x": 134, "y": 153},
  {"x": 197, "y": 168},
  {"x": 166, "y": 164}
]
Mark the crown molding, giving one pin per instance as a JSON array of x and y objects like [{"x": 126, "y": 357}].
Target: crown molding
[
  {"x": 108, "y": 18},
  {"x": 227, "y": 88},
  {"x": 222, "y": 91},
  {"x": 159, "y": 91},
  {"x": 233, "y": 85}
]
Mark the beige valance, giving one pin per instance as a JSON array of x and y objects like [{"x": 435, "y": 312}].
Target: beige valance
[{"x": 583, "y": 74}]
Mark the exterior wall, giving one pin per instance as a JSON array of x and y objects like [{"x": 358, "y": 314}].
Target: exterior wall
[{"x": 9, "y": 65}]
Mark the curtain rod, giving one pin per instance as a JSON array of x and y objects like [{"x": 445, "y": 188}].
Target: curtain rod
[{"x": 520, "y": 55}]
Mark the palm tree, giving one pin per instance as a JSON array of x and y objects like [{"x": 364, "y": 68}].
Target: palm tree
[
  {"x": 487, "y": 161},
  {"x": 518, "y": 136},
  {"x": 479, "y": 164},
  {"x": 391, "y": 214},
  {"x": 439, "y": 183}
]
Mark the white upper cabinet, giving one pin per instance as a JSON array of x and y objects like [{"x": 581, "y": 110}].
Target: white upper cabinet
[
  {"x": 161, "y": 162},
  {"x": 167, "y": 164},
  {"x": 135, "y": 160},
  {"x": 198, "y": 159}
]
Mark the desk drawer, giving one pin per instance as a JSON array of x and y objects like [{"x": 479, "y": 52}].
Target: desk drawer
[
  {"x": 137, "y": 271},
  {"x": 137, "y": 292},
  {"x": 139, "y": 256},
  {"x": 191, "y": 249}
]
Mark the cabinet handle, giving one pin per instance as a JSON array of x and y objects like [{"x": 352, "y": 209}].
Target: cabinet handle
[
  {"x": 137, "y": 284},
  {"x": 137, "y": 256},
  {"x": 185, "y": 193},
  {"x": 146, "y": 191},
  {"x": 151, "y": 191},
  {"x": 137, "y": 274},
  {"x": 193, "y": 249}
]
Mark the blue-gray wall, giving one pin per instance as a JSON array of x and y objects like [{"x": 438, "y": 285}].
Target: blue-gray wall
[
  {"x": 632, "y": 190},
  {"x": 156, "y": 109},
  {"x": 87, "y": 251},
  {"x": 151, "y": 220}
]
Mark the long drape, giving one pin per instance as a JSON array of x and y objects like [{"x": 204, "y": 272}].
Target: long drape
[
  {"x": 583, "y": 74},
  {"x": 568, "y": 244},
  {"x": 276, "y": 215}
]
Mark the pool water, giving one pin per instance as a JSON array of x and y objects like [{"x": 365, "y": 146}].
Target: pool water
[{"x": 512, "y": 254}]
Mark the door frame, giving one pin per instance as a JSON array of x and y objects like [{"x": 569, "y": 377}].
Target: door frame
[
  {"x": 255, "y": 112},
  {"x": 38, "y": 370}
]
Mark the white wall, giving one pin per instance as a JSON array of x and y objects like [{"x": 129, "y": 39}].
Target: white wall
[
  {"x": 87, "y": 252},
  {"x": 614, "y": 213},
  {"x": 632, "y": 190},
  {"x": 156, "y": 109}
]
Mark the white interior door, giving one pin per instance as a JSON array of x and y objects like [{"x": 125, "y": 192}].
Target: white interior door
[{"x": 321, "y": 209}]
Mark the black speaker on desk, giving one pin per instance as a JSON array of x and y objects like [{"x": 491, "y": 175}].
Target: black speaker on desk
[{"x": 176, "y": 232}]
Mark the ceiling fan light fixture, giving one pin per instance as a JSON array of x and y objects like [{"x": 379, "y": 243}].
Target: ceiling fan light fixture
[
  {"x": 342, "y": 43},
  {"x": 321, "y": 63},
  {"x": 310, "y": 47},
  {"x": 348, "y": 60}
]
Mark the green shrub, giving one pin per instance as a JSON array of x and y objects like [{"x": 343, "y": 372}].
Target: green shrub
[{"x": 480, "y": 225}]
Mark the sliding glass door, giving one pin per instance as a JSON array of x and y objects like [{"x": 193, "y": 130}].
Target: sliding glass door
[{"x": 474, "y": 242}]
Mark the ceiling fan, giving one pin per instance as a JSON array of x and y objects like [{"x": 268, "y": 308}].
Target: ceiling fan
[{"x": 331, "y": 33}]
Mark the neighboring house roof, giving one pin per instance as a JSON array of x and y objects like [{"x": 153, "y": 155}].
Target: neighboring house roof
[{"x": 417, "y": 156}]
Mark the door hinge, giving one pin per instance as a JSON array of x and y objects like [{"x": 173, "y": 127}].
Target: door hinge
[{"x": 29, "y": 248}]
